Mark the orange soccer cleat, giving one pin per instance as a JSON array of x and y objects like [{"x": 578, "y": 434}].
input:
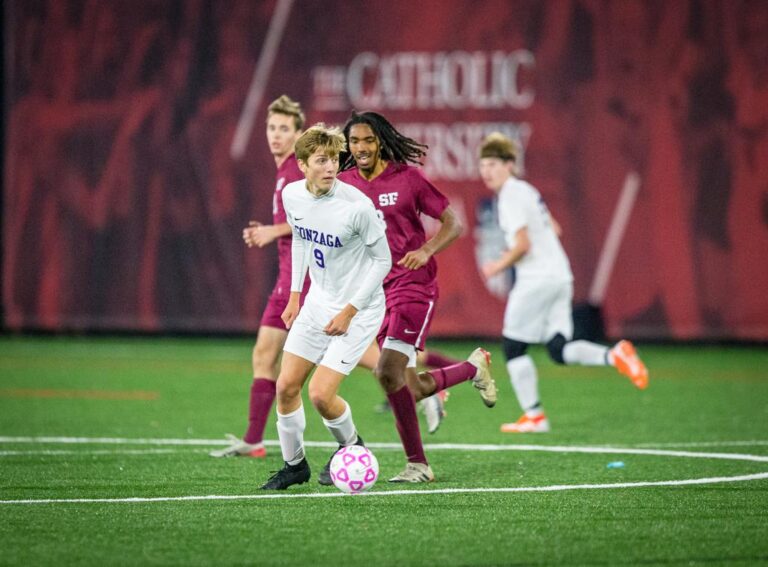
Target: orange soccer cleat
[
  {"x": 625, "y": 359},
  {"x": 537, "y": 424}
]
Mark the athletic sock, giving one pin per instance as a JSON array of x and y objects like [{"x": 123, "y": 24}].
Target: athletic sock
[
  {"x": 290, "y": 429},
  {"x": 437, "y": 360},
  {"x": 585, "y": 353},
  {"x": 452, "y": 375},
  {"x": 525, "y": 382},
  {"x": 343, "y": 428},
  {"x": 262, "y": 396},
  {"x": 404, "y": 408}
]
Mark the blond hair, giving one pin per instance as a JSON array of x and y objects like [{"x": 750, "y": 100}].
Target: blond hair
[
  {"x": 286, "y": 105},
  {"x": 329, "y": 138},
  {"x": 497, "y": 145}
]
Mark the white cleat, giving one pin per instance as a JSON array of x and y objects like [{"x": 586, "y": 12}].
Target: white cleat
[
  {"x": 239, "y": 448},
  {"x": 415, "y": 472},
  {"x": 434, "y": 412},
  {"x": 481, "y": 359}
]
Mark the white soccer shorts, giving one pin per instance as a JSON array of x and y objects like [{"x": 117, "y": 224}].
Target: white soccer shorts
[
  {"x": 537, "y": 310},
  {"x": 307, "y": 339}
]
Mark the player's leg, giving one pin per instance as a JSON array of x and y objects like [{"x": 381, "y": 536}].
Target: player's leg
[
  {"x": 524, "y": 323},
  {"x": 525, "y": 383},
  {"x": 266, "y": 352},
  {"x": 563, "y": 350},
  {"x": 433, "y": 359},
  {"x": 291, "y": 422},
  {"x": 409, "y": 323},
  {"x": 343, "y": 353},
  {"x": 391, "y": 375}
]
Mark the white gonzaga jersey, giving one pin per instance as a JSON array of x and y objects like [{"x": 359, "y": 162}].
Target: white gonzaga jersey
[
  {"x": 521, "y": 205},
  {"x": 334, "y": 231}
]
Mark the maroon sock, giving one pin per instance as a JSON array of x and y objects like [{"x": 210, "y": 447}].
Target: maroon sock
[
  {"x": 452, "y": 375},
  {"x": 437, "y": 360},
  {"x": 262, "y": 396},
  {"x": 404, "y": 408}
]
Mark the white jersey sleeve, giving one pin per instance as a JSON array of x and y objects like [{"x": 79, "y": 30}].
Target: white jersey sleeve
[{"x": 372, "y": 231}]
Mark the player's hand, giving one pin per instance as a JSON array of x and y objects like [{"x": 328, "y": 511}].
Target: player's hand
[
  {"x": 291, "y": 310},
  {"x": 258, "y": 234},
  {"x": 414, "y": 259},
  {"x": 340, "y": 323},
  {"x": 490, "y": 269}
]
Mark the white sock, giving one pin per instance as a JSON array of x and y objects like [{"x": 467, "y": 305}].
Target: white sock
[
  {"x": 290, "y": 429},
  {"x": 585, "y": 353},
  {"x": 343, "y": 428},
  {"x": 525, "y": 382}
]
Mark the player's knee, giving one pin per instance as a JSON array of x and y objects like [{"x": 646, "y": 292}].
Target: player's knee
[
  {"x": 555, "y": 347},
  {"x": 321, "y": 400},
  {"x": 287, "y": 391},
  {"x": 264, "y": 361},
  {"x": 390, "y": 378},
  {"x": 513, "y": 348}
]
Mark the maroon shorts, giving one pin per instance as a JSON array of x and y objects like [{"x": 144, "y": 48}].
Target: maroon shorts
[
  {"x": 408, "y": 322},
  {"x": 276, "y": 304}
]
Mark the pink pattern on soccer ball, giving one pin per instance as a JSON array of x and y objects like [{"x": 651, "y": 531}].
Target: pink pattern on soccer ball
[{"x": 354, "y": 469}]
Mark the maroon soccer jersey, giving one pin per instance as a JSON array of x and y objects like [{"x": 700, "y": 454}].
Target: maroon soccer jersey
[
  {"x": 287, "y": 173},
  {"x": 402, "y": 193}
]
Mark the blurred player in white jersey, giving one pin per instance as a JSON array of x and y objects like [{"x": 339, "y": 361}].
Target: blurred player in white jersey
[
  {"x": 538, "y": 309},
  {"x": 338, "y": 236}
]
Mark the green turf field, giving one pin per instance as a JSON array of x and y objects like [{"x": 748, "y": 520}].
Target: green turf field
[{"x": 82, "y": 424}]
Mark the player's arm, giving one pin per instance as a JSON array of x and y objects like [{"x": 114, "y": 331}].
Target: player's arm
[
  {"x": 298, "y": 274},
  {"x": 450, "y": 230},
  {"x": 511, "y": 256},
  {"x": 257, "y": 234}
]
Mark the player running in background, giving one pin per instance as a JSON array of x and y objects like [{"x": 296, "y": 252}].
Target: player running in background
[
  {"x": 539, "y": 306},
  {"x": 401, "y": 193},
  {"x": 339, "y": 237},
  {"x": 285, "y": 120}
]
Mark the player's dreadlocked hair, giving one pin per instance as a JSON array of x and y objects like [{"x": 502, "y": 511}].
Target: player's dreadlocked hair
[{"x": 394, "y": 146}]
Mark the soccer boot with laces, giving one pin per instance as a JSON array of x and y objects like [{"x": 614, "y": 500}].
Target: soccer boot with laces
[
  {"x": 324, "y": 477},
  {"x": 434, "y": 410},
  {"x": 537, "y": 424},
  {"x": 415, "y": 472},
  {"x": 239, "y": 448},
  {"x": 288, "y": 476},
  {"x": 482, "y": 381},
  {"x": 625, "y": 359}
]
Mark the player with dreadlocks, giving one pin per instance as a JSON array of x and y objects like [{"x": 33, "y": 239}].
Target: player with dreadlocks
[{"x": 378, "y": 163}]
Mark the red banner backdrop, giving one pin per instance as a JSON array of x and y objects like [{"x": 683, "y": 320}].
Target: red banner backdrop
[{"x": 135, "y": 150}]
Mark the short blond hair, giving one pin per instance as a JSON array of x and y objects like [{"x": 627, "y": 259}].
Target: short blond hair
[
  {"x": 330, "y": 138},
  {"x": 497, "y": 145},
  {"x": 286, "y": 105}
]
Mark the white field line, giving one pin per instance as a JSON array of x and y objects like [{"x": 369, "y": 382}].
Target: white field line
[
  {"x": 396, "y": 446},
  {"x": 752, "y": 443},
  {"x": 92, "y": 452},
  {"x": 414, "y": 492}
]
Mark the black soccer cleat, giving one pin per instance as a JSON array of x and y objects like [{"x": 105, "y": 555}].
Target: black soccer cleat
[
  {"x": 324, "y": 477},
  {"x": 288, "y": 476}
]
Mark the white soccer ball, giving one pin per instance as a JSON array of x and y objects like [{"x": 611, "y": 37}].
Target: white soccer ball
[{"x": 354, "y": 469}]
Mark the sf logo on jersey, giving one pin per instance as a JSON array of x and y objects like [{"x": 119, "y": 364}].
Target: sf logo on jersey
[{"x": 387, "y": 199}]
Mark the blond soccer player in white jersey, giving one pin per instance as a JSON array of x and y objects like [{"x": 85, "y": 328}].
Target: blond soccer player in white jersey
[
  {"x": 538, "y": 308},
  {"x": 340, "y": 239}
]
